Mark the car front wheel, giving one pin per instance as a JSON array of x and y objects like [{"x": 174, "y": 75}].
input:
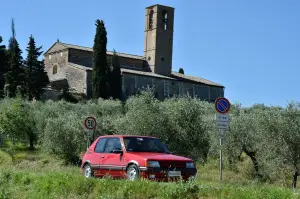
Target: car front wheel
[{"x": 132, "y": 172}]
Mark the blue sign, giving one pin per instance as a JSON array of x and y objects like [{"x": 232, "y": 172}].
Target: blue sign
[{"x": 222, "y": 105}]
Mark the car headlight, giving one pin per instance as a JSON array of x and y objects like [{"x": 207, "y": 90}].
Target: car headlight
[
  {"x": 190, "y": 165},
  {"x": 153, "y": 164}
]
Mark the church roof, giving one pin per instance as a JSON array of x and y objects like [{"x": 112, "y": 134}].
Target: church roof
[
  {"x": 177, "y": 75},
  {"x": 91, "y": 50},
  {"x": 144, "y": 73}
]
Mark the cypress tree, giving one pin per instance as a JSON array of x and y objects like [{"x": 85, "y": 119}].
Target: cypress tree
[
  {"x": 3, "y": 65},
  {"x": 35, "y": 75},
  {"x": 116, "y": 78},
  {"x": 14, "y": 77},
  {"x": 100, "y": 68}
]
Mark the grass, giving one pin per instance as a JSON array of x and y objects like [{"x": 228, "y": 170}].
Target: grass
[{"x": 36, "y": 175}]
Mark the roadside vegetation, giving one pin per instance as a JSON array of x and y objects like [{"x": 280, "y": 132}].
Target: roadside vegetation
[{"x": 41, "y": 144}]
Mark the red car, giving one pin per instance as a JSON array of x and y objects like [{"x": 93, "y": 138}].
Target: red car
[{"x": 132, "y": 157}]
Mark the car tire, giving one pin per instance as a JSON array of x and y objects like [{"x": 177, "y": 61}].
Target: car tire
[
  {"x": 132, "y": 172},
  {"x": 88, "y": 171}
]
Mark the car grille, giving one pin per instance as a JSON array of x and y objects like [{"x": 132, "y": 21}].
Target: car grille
[{"x": 171, "y": 164}]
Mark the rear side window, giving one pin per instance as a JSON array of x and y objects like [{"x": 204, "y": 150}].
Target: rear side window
[
  {"x": 100, "y": 145},
  {"x": 112, "y": 143}
]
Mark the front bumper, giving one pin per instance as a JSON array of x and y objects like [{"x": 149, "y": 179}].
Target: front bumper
[{"x": 162, "y": 174}]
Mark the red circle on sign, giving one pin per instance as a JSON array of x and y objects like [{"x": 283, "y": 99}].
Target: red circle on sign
[
  {"x": 90, "y": 123},
  {"x": 226, "y": 109}
]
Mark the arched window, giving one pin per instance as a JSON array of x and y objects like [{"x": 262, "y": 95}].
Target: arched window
[
  {"x": 165, "y": 20},
  {"x": 54, "y": 71},
  {"x": 151, "y": 19}
]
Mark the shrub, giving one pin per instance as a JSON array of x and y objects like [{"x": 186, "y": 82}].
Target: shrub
[
  {"x": 188, "y": 132},
  {"x": 17, "y": 121},
  {"x": 64, "y": 136}
]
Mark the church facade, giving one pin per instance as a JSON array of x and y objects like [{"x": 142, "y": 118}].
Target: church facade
[{"x": 68, "y": 64}]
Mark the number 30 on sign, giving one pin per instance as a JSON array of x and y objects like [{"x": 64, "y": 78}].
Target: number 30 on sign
[{"x": 90, "y": 123}]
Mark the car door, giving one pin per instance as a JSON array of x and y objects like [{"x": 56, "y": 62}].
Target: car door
[
  {"x": 112, "y": 163},
  {"x": 98, "y": 156}
]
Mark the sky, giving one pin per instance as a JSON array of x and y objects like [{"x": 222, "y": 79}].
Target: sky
[{"x": 251, "y": 47}]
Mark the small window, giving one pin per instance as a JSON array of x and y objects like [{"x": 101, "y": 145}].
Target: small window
[
  {"x": 112, "y": 143},
  {"x": 151, "y": 19},
  {"x": 54, "y": 69},
  {"x": 61, "y": 54},
  {"x": 50, "y": 57},
  {"x": 165, "y": 20},
  {"x": 162, "y": 58},
  {"x": 100, "y": 145}
]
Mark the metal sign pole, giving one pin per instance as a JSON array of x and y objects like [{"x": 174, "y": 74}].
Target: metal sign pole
[
  {"x": 221, "y": 137},
  {"x": 90, "y": 124}
]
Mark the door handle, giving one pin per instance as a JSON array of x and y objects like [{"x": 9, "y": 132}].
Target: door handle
[{"x": 102, "y": 156}]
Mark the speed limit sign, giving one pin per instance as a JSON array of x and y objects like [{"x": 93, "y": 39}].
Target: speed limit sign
[{"x": 90, "y": 123}]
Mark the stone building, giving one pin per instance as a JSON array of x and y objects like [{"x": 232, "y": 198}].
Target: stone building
[{"x": 72, "y": 64}]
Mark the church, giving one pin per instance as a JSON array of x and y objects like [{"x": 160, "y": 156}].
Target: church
[{"x": 71, "y": 65}]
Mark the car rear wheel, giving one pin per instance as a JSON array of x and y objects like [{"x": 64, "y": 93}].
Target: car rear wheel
[
  {"x": 132, "y": 172},
  {"x": 88, "y": 171}
]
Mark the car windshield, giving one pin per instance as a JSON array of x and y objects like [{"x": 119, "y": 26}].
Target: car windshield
[{"x": 144, "y": 144}]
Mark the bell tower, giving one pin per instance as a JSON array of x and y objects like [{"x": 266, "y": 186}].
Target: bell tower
[{"x": 158, "y": 44}]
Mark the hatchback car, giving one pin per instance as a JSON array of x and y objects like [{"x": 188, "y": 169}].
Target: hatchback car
[{"x": 133, "y": 157}]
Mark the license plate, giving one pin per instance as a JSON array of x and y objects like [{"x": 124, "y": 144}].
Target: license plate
[{"x": 174, "y": 173}]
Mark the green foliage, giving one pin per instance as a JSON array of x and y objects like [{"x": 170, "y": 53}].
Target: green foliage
[
  {"x": 16, "y": 122},
  {"x": 64, "y": 136},
  {"x": 67, "y": 96},
  {"x": 188, "y": 127},
  {"x": 115, "y": 77},
  {"x": 14, "y": 77},
  {"x": 100, "y": 69},
  {"x": 3, "y": 66},
  {"x": 66, "y": 183},
  {"x": 267, "y": 136},
  {"x": 35, "y": 75}
]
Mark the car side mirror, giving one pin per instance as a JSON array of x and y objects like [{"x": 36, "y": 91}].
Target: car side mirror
[{"x": 117, "y": 151}]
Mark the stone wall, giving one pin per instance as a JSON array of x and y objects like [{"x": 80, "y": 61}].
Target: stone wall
[
  {"x": 77, "y": 79},
  {"x": 59, "y": 60},
  {"x": 80, "y": 57},
  {"x": 165, "y": 88},
  {"x": 85, "y": 58}
]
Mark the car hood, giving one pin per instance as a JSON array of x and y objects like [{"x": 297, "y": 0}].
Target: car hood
[{"x": 159, "y": 156}]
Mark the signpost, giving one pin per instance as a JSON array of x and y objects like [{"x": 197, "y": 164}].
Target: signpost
[
  {"x": 90, "y": 124},
  {"x": 222, "y": 106}
]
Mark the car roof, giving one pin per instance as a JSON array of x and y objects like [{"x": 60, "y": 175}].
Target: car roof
[{"x": 103, "y": 136}]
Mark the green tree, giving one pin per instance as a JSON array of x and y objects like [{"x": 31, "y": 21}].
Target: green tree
[
  {"x": 100, "y": 67},
  {"x": 16, "y": 122},
  {"x": 115, "y": 77},
  {"x": 181, "y": 70},
  {"x": 15, "y": 75},
  {"x": 3, "y": 65},
  {"x": 284, "y": 134},
  {"x": 35, "y": 75}
]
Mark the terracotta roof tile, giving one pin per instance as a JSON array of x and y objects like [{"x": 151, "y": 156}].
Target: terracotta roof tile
[
  {"x": 144, "y": 73},
  {"x": 108, "y": 52},
  {"x": 194, "y": 79}
]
